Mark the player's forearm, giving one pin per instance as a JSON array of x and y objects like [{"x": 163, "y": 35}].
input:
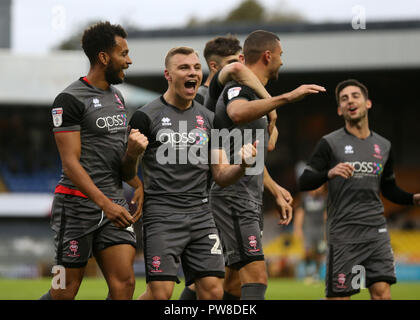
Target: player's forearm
[
  {"x": 311, "y": 180},
  {"x": 129, "y": 167},
  {"x": 247, "y": 111},
  {"x": 392, "y": 192},
  {"x": 135, "y": 182},
  {"x": 269, "y": 183},
  {"x": 80, "y": 178},
  {"x": 225, "y": 174}
]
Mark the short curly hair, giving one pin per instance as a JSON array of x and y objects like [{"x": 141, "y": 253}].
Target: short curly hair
[
  {"x": 100, "y": 37},
  {"x": 222, "y": 47}
]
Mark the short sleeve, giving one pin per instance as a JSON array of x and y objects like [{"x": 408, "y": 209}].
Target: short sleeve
[
  {"x": 141, "y": 121},
  {"x": 237, "y": 91},
  {"x": 67, "y": 113}
]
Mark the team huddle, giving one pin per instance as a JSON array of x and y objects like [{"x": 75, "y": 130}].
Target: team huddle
[{"x": 202, "y": 152}]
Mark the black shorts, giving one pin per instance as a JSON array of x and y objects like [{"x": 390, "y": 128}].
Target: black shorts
[
  {"x": 346, "y": 261},
  {"x": 82, "y": 229},
  {"x": 240, "y": 224},
  {"x": 188, "y": 238}
]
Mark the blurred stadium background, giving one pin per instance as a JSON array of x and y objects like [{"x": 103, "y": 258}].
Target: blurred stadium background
[{"x": 385, "y": 56}]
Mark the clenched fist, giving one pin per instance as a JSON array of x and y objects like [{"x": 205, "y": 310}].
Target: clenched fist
[
  {"x": 137, "y": 143},
  {"x": 248, "y": 154}
]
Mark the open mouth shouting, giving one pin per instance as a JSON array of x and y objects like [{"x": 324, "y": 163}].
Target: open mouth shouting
[{"x": 191, "y": 86}]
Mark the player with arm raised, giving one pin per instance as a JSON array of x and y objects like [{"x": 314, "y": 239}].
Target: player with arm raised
[
  {"x": 177, "y": 223},
  {"x": 237, "y": 208}
]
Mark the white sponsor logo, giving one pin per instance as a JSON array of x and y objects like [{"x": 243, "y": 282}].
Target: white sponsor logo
[
  {"x": 96, "y": 103},
  {"x": 366, "y": 167},
  {"x": 111, "y": 121},
  {"x": 178, "y": 140},
  {"x": 57, "y": 115},
  {"x": 166, "y": 121},
  {"x": 348, "y": 149},
  {"x": 382, "y": 230},
  {"x": 233, "y": 92}
]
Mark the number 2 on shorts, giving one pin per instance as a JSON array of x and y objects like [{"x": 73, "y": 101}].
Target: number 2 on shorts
[{"x": 216, "y": 248}]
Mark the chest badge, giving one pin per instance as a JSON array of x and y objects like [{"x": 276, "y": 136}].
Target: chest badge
[
  {"x": 348, "y": 149},
  {"x": 377, "y": 151},
  {"x": 200, "y": 123},
  {"x": 120, "y": 104}
]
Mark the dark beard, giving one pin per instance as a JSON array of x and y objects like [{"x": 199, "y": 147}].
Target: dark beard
[{"x": 111, "y": 74}]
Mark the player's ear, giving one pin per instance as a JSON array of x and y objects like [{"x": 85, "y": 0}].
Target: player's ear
[
  {"x": 104, "y": 58},
  {"x": 368, "y": 104},
  {"x": 339, "y": 112},
  {"x": 167, "y": 75},
  {"x": 267, "y": 56},
  {"x": 241, "y": 58},
  {"x": 213, "y": 65}
]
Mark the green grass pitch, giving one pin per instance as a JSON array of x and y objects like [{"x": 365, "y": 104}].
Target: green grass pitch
[{"x": 278, "y": 289}]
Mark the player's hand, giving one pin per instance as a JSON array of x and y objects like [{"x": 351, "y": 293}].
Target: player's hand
[
  {"x": 416, "y": 199},
  {"x": 342, "y": 169},
  {"x": 138, "y": 199},
  {"x": 286, "y": 194},
  {"x": 304, "y": 90},
  {"x": 285, "y": 210},
  {"x": 118, "y": 215},
  {"x": 248, "y": 154},
  {"x": 137, "y": 143}
]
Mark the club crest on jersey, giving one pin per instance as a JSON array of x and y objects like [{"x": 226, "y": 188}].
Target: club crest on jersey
[
  {"x": 341, "y": 281},
  {"x": 233, "y": 92},
  {"x": 348, "y": 149},
  {"x": 120, "y": 104},
  {"x": 166, "y": 121},
  {"x": 377, "y": 150},
  {"x": 156, "y": 264},
  {"x": 57, "y": 115},
  {"x": 200, "y": 123},
  {"x": 74, "y": 247}
]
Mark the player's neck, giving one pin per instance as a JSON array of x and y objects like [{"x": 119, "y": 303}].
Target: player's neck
[
  {"x": 176, "y": 101},
  {"x": 259, "y": 72},
  {"x": 209, "y": 78},
  {"x": 97, "y": 79},
  {"x": 359, "y": 129}
]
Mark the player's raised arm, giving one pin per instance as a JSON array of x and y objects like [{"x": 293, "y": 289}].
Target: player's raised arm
[
  {"x": 136, "y": 145},
  {"x": 246, "y": 111}
]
